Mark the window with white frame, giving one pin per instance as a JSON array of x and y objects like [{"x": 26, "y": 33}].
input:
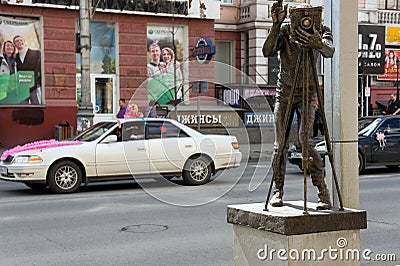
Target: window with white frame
[
  {"x": 392, "y": 4},
  {"x": 226, "y": 1}
]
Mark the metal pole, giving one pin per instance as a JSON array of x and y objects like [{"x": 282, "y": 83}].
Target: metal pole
[
  {"x": 366, "y": 96},
  {"x": 175, "y": 55},
  {"x": 85, "y": 108},
  {"x": 362, "y": 96},
  {"x": 198, "y": 109},
  {"x": 397, "y": 79}
]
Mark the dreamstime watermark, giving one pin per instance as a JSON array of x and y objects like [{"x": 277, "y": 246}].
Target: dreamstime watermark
[{"x": 338, "y": 253}]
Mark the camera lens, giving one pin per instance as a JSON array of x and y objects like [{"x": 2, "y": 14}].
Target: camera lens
[{"x": 306, "y": 23}]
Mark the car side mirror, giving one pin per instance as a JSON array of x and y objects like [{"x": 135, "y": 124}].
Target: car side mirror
[{"x": 110, "y": 139}]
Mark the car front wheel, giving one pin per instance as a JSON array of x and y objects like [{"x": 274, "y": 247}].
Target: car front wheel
[
  {"x": 64, "y": 177},
  {"x": 197, "y": 171}
]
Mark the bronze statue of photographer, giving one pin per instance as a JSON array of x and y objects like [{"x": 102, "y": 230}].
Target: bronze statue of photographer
[{"x": 289, "y": 40}]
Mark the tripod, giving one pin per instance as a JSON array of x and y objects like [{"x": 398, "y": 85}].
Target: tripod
[{"x": 304, "y": 60}]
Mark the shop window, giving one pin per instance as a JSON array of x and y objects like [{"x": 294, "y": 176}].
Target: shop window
[{"x": 102, "y": 52}]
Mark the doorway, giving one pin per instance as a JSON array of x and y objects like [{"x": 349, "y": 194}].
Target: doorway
[{"x": 104, "y": 96}]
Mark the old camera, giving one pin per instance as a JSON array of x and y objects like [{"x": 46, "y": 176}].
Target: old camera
[{"x": 305, "y": 18}]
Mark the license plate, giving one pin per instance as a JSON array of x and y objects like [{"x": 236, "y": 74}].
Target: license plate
[
  {"x": 3, "y": 170},
  {"x": 296, "y": 155}
]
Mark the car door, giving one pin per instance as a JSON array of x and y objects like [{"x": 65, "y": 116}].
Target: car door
[
  {"x": 126, "y": 156},
  {"x": 135, "y": 147},
  {"x": 386, "y": 142},
  {"x": 169, "y": 147}
]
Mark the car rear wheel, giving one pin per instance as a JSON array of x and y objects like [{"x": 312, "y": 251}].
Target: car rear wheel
[
  {"x": 197, "y": 171},
  {"x": 64, "y": 177}
]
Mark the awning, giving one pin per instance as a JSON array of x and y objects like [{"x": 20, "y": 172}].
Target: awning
[{"x": 382, "y": 104}]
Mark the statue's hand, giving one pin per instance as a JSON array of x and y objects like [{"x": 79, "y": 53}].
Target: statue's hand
[
  {"x": 313, "y": 40},
  {"x": 278, "y": 12}
]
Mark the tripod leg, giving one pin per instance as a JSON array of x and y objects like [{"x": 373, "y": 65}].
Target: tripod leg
[
  {"x": 327, "y": 137},
  {"x": 305, "y": 126},
  {"x": 277, "y": 159}
]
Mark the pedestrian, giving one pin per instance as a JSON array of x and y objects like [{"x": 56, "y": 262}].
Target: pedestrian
[
  {"x": 289, "y": 43},
  {"x": 393, "y": 107},
  {"x": 318, "y": 125},
  {"x": 151, "y": 110},
  {"x": 122, "y": 108}
]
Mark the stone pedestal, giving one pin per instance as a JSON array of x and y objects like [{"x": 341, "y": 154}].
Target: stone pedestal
[{"x": 285, "y": 236}]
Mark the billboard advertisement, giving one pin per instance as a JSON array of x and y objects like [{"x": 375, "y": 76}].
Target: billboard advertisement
[
  {"x": 166, "y": 54},
  {"x": 21, "y": 68},
  {"x": 371, "y": 49},
  {"x": 391, "y": 59}
]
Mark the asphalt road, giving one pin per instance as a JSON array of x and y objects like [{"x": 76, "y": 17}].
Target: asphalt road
[{"x": 153, "y": 223}]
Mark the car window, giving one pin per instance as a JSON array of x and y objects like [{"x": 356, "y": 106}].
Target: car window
[
  {"x": 390, "y": 126},
  {"x": 159, "y": 129},
  {"x": 133, "y": 131},
  {"x": 369, "y": 128},
  {"x": 364, "y": 122},
  {"x": 95, "y": 131}
]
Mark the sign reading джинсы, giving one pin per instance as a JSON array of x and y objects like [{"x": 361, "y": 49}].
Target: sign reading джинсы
[{"x": 209, "y": 119}]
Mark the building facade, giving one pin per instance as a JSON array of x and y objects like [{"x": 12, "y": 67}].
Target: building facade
[
  {"x": 378, "y": 37},
  {"x": 121, "y": 32},
  {"x": 35, "y": 99}
]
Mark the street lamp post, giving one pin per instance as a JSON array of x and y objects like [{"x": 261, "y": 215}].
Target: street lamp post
[{"x": 85, "y": 108}]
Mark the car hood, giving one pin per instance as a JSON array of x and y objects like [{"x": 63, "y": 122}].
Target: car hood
[{"x": 43, "y": 150}]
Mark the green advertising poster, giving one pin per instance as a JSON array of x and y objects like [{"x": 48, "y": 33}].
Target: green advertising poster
[
  {"x": 16, "y": 87},
  {"x": 161, "y": 89}
]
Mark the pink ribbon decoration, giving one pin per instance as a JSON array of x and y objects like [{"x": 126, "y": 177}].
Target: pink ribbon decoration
[
  {"x": 38, "y": 145},
  {"x": 380, "y": 137}
]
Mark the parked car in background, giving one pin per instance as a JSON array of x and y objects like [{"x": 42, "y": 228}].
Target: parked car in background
[
  {"x": 112, "y": 150},
  {"x": 378, "y": 143},
  {"x": 295, "y": 156}
]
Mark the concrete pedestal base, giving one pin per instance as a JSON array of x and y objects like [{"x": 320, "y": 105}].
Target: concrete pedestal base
[{"x": 285, "y": 236}]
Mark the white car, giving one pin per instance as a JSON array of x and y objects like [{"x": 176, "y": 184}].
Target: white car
[{"x": 112, "y": 150}]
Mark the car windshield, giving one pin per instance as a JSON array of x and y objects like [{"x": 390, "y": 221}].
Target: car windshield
[
  {"x": 94, "y": 132},
  {"x": 367, "y": 125}
]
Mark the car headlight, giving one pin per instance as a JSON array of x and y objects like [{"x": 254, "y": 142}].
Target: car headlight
[{"x": 27, "y": 159}]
